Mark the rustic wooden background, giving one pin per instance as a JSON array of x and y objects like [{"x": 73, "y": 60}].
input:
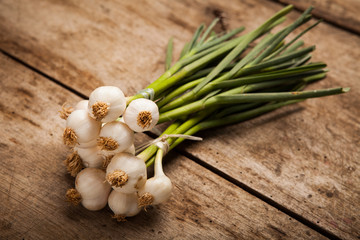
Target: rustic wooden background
[{"x": 290, "y": 174}]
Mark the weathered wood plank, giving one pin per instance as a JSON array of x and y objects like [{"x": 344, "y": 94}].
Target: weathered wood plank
[
  {"x": 76, "y": 39},
  {"x": 33, "y": 183},
  {"x": 344, "y": 13},
  {"x": 100, "y": 43}
]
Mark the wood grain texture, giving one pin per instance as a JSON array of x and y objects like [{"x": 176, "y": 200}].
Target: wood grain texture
[
  {"x": 303, "y": 157},
  {"x": 344, "y": 13},
  {"x": 34, "y": 181}
]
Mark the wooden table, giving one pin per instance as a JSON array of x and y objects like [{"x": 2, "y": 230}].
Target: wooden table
[{"x": 290, "y": 174}]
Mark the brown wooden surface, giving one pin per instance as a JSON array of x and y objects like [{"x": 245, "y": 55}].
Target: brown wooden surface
[
  {"x": 344, "y": 13},
  {"x": 303, "y": 157},
  {"x": 33, "y": 182}
]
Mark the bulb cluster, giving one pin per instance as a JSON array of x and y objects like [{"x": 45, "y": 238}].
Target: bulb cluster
[{"x": 100, "y": 132}]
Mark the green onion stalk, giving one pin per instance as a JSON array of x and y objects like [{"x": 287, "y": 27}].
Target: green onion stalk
[
  {"x": 197, "y": 54},
  {"x": 222, "y": 79}
]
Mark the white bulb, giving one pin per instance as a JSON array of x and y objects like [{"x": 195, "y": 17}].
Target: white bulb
[
  {"x": 141, "y": 115},
  {"x": 94, "y": 190},
  {"x": 115, "y": 137},
  {"x": 80, "y": 128},
  {"x": 126, "y": 173},
  {"x": 82, "y": 105},
  {"x": 107, "y": 157},
  {"x": 106, "y": 103},
  {"x": 90, "y": 157},
  {"x": 156, "y": 190},
  {"x": 94, "y": 204},
  {"x": 130, "y": 150},
  {"x": 123, "y": 204}
]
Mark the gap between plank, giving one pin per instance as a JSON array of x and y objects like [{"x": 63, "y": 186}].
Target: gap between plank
[
  {"x": 44, "y": 75},
  {"x": 253, "y": 192},
  {"x": 199, "y": 161},
  {"x": 334, "y": 24},
  {"x": 259, "y": 195}
]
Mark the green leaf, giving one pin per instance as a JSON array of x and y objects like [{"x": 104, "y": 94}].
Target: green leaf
[
  {"x": 242, "y": 46},
  {"x": 278, "y": 96},
  {"x": 169, "y": 53},
  {"x": 208, "y": 30},
  {"x": 196, "y": 36}
]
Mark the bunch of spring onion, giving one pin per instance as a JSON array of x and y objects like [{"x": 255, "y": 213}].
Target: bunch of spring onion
[
  {"x": 103, "y": 155},
  {"x": 218, "y": 80}
]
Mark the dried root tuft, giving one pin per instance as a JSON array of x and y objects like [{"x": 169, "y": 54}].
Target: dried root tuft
[
  {"x": 118, "y": 178},
  {"x": 145, "y": 200},
  {"x": 69, "y": 137},
  {"x": 73, "y": 164},
  {"x": 73, "y": 196},
  {"x": 106, "y": 143},
  {"x": 100, "y": 110},
  {"x": 119, "y": 217},
  {"x": 144, "y": 119},
  {"x": 65, "y": 111}
]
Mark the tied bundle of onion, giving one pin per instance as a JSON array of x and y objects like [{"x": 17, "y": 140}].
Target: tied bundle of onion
[
  {"x": 101, "y": 141},
  {"x": 218, "y": 80}
]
